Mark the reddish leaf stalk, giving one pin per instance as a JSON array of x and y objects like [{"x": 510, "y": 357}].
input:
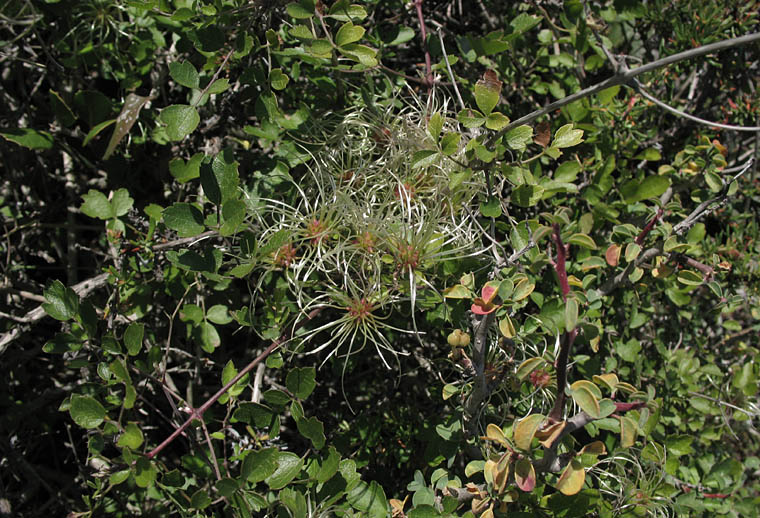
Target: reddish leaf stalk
[
  {"x": 423, "y": 29},
  {"x": 197, "y": 413},
  {"x": 640, "y": 238}
]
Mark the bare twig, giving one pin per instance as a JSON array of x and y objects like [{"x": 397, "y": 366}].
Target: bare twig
[{"x": 197, "y": 413}]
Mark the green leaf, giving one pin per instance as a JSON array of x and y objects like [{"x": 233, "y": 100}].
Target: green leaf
[
  {"x": 585, "y": 399},
  {"x": 218, "y": 86},
  {"x": 528, "y": 366},
  {"x": 567, "y": 171},
  {"x": 650, "y": 187},
  {"x": 450, "y": 143},
  {"x": 566, "y": 136},
  {"x": 301, "y": 381},
  {"x": 313, "y": 430},
  {"x": 497, "y": 121},
  {"x": 344, "y": 12},
  {"x": 300, "y": 11},
  {"x": 121, "y": 202},
  {"x": 278, "y": 79},
  {"x": 424, "y": 158},
  {"x": 184, "y": 73},
  {"x": 133, "y": 338},
  {"x": 435, "y": 125},
  {"x": 679, "y": 445},
  {"x": 219, "y": 314},
  {"x": 86, "y": 411},
  {"x": 457, "y": 292},
  {"x": 62, "y": 303},
  {"x": 259, "y": 465},
  {"x": 471, "y": 118},
  {"x": 583, "y": 240},
  {"x": 527, "y": 195},
  {"x": 491, "y": 208},
  {"x": 96, "y": 205},
  {"x": 369, "y": 498},
  {"x": 132, "y": 437},
  {"x": 62, "y": 111},
  {"x": 145, "y": 472},
  {"x": 119, "y": 477},
  {"x": 690, "y": 278},
  {"x": 288, "y": 466},
  {"x": 329, "y": 466},
  {"x": 487, "y": 92},
  {"x": 361, "y": 53},
  {"x": 207, "y": 337},
  {"x": 180, "y": 120},
  {"x": 571, "y": 313},
  {"x": 28, "y": 138},
  {"x": 518, "y": 138},
  {"x": 96, "y": 130},
  {"x": 184, "y": 218},
  {"x": 185, "y": 171},
  {"x": 200, "y": 499},
  {"x": 348, "y": 33}
]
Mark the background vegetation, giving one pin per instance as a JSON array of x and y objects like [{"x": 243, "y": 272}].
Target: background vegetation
[{"x": 313, "y": 259}]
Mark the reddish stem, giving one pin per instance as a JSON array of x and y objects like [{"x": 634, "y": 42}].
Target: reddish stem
[
  {"x": 423, "y": 29},
  {"x": 640, "y": 238},
  {"x": 559, "y": 265},
  {"x": 197, "y": 413}
]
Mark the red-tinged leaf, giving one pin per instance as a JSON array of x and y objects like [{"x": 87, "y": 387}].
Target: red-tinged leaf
[
  {"x": 481, "y": 307},
  {"x": 489, "y": 292},
  {"x": 613, "y": 254},
  {"x": 525, "y": 475}
]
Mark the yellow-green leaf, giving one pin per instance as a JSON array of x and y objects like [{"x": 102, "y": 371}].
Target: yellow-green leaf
[
  {"x": 522, "y": 290},
  {"x": 572, "y": 478},
  {"x": 586, "y": 400},
  {"x": 506, "y": 327},
  {"x": 690, "y": 278},
  {"x": 583, "y": 240},
  {"x": 566, "y": 136},
  {"x": 529, "y": 366},
  {"x": 632, "y": 251},
  {"x": 525, "y": 429},
  {"x": 628, "y": 430},
  {"x": 494, "y": 433}
]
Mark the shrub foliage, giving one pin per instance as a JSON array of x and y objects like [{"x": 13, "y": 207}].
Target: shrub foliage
[{"x": 380, "y": 258}]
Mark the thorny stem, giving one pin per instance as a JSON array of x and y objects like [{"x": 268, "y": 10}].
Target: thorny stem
[{"x": 197, "y": 413}]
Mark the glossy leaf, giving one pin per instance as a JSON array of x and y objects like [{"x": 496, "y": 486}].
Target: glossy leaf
[
  {"x": 61, "y": 303},
  {"x": 86, "y": 411}
]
